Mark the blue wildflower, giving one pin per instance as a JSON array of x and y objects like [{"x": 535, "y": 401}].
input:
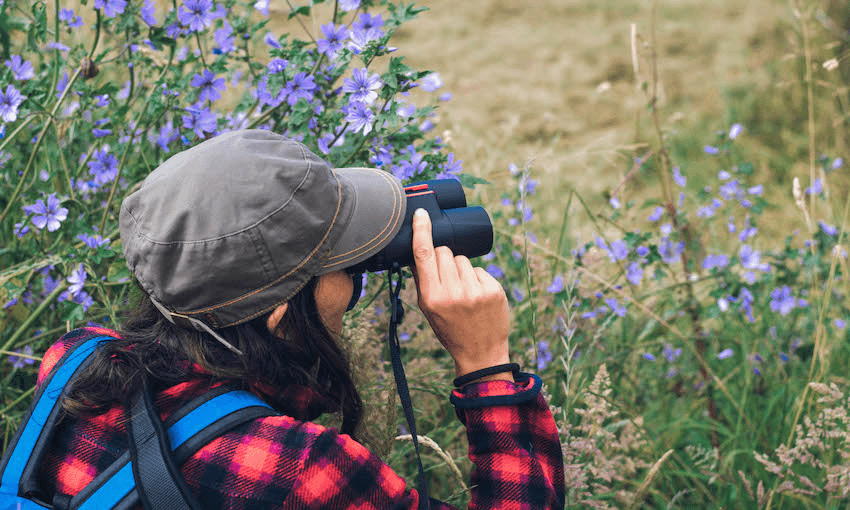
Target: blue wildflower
[
  {"x": 366, "y": 22},
  {"x": 198, "y": 15},
  {"x": 77, "y": 280},
  {"x": 495, "y": 271},
  {"x": 828, "y": 229},
  {"x": 782, "y": 302},
  {"x": 224, "y": 38},
  {"x": 634, "y": 273},
  {"x": 361, "y": 117},
  {"x": 362, "y": 86},
  {"x": 642, "y": 251},
  {"x": 277, "y": 65},
  {"x": 147, "y": 12},
  {"x": 20, "y": 361},
  {"x": 711, "y": 150},
  {"x": 619, "y": 250},
  {"x": 431, "y": 82},
  {"x": 450, "y": 168},
  {"x": 615, "y": 307},
  {"x": 333, "y": 41},
  {"x": 209, "y": 85},
  {"x": 103, "y": 166},
  {"x": 262, "y": 6},
  {"x": 735, "y": 131},
  {"x": 725, "y": 353},
  {"x": 21, "y": 69},
  {"x": 678, "y": 177},
  {"x": 50, "y": 215},
  {"x": 656, "y": 214},
  {"x": 200, "y": 119},
  {"x": 111, "y": 8},
  {"x": 836, "y": 163},
  {"x": 301, "y": 86},
  {"x": 9, "y": 103},
  {"x": 544, "y": 355},
  {"x": 349, "y": 5},
  {"x": 94, "y": 241},
  {"x": 816, "y": 188},
  {"x": 839, "y": 323},
  {"x": 649, "y": 356},
  {"x": 557, "y": 284}
]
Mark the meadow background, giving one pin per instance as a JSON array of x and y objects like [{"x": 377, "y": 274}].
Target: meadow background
[{"x": 685, "y": 307}]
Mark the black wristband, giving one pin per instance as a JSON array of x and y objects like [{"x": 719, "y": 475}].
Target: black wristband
[{"x": 467, "y": 378}]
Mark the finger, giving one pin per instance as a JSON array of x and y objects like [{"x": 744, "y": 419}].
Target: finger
[
  {"x": 446, "y": 266},
  {"x": 424, "y": 258},
  {"x": 466, "y": 272}
]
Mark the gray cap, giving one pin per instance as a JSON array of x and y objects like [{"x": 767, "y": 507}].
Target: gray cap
[{"x": 235, "y": 226}]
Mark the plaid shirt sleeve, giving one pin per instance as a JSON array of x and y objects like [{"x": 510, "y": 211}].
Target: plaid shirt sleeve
[{"x": 513, "y": 442}]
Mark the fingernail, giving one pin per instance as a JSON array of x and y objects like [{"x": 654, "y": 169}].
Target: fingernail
[{"x": 420, "y": 213}]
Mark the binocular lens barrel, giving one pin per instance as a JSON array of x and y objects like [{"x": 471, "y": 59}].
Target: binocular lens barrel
[{"x": 465, "y": 230}]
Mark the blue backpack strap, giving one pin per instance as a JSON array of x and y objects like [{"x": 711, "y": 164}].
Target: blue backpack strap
[
  {"x": 23, "y": 456},
  {"x": 192, "y": 427}
]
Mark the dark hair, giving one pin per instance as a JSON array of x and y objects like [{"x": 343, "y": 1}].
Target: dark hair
[{"x": 303, "y": 352}]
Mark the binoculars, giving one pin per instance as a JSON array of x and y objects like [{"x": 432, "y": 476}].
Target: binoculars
[{"x": 466, "y": 230}]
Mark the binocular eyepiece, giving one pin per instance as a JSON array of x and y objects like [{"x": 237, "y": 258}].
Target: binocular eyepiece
[{"x": 466, "y": 230}]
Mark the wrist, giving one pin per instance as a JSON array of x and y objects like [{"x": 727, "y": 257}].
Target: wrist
[{"x": 500, "y": 372}]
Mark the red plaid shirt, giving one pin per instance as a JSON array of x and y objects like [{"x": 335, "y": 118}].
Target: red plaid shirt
[{"x": 288, "y": 462}]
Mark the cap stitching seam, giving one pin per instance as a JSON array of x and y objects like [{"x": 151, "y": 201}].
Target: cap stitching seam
[
  {"x": 303, "y": 262},
  {"x": 375, "y": 240}
]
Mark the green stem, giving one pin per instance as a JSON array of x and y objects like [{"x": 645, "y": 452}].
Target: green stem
[
  {"x": 38, "y": 141},
  {"x": 18, "y": 400},
  {"x": 200, "y": 49},
  {"x": 29, "y": 320},
  {"x": 96, "y": 34}
]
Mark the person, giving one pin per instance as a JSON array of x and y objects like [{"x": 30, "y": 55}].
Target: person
[{"x": 240, "y": 246}]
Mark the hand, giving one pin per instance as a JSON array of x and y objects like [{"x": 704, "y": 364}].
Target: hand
[{"x": 465, "y": 306}]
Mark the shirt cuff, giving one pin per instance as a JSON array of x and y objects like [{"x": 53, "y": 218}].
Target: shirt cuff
[{"x": 497, "y": 393}]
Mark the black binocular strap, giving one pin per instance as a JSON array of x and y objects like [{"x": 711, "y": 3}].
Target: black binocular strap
[{"x": 396, "y": 315}]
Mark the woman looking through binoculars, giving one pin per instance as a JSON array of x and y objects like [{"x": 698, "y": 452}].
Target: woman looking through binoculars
[{"x": 241, "y": 246}]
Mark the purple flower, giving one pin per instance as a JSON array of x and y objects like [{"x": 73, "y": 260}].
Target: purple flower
[
  {"x": 361, "y": 117},
  {"x": 198, "y": 15},
  {"x": 751, "y": 259},
  {"x": 450, "y": 168},
  {"x": 619, "y": 250},
  {"x": 495, "y": 271},
  {"x": 147, "y": 12},
  {"x": 678, "y": 177},
  {"x": 408, "y": 169},
  {"x": 518, "y": 294},
  {"x": 783, "y": 301},
  {"x": 544, "y": 355},
  {"x": 557, "y": 285},
  {"x": 718, "y": 261},
  {"x": 366, "y": 23},
  {"x": 839, "y": 323},
  {"x": 828, "y": 229},
  {"x": 277, "y": 65},
  {"x": 94, "y": 241},
  {"x": 53, "y": 45},
  {"x": 649, "y": 356},
  {"x": 642, "y": 251},
  {"x": 756, "y": 190},
  {"x": 656, "y": 214},
  {"x": 77, "y": 280},
  {"x": 224, "y": 38},
  {"x": 301, "y": 86},
  {"x": 615, "y": 202},
  {"x": 670, "y": 353},
  {"x": 836, "y": 163},
  {"x": 102, "y": 101},
  {"x": 209, "y": 85},
  {"x": 9, "y": 103},
  {"x": 747, "y": 299},
  {"x": 111, "y": 8},
  {"x": 349, "y": 5},
  {"x": 167, "y": 134},
  {"x": 271, "y": 40},
  {"x": 20, "y": 361},
  {"x": 101, "y": 132},
  {"x": 735, "y": 131},
  {"x": 723, "y": 175},
  {"x": 634, "y": 273},
  {"x": 710, "y": 150},
  {"x": 670, "y": 253},
  {"x": 21, "y": 69},
  {"x": 21, "y": 230},
  {"x": 816, "y": 188},
  {"x": 103, "y": 166},
  {"x": 200, "y": 119},
  {"x": 60, "y": 86},
  {"x": 362, "y": 86},
  {"x": 50, "y": 215},
  {"x": 725, "y": 353},
  {"x": 66, "y": 14},
  {"x": 431, "y": 82},
  {"x": 615, "y": 307},
  {"x": 262, "y": 6},
  {"x": 334, "y": 39}
]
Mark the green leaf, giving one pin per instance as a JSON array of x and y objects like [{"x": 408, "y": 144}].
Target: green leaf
[
  {"x": 745, "y": 168},
  {"x": 469, "y": 181},
  {"x": 302, "y": 10}
]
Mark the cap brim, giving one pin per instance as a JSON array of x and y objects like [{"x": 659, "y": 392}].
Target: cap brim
[{"x": 379, "y": 208}]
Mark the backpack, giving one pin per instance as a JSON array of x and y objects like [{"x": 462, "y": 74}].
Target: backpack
[{"x": 148, "y": 473}]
